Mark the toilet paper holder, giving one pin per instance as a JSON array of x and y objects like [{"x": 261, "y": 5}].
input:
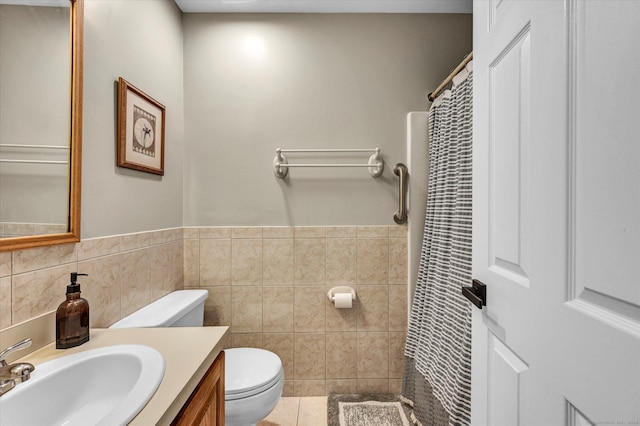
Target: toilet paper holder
[{"x": 341, "y": 289}]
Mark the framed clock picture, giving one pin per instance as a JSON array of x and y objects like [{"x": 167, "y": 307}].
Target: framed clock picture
[{"x": 140, "y": 130}]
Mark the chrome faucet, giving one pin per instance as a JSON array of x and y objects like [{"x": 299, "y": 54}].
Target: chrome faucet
[{"x": 12, "y": 374}]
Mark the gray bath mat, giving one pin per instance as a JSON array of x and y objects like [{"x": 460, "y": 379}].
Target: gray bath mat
[{"x": 366, "y": 410}]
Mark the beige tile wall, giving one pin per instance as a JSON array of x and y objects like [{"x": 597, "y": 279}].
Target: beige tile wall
[
  {"x": 126, "y": 272},
  {"x": 15, "y": 229},
  {"x": 269, "y": 284}
]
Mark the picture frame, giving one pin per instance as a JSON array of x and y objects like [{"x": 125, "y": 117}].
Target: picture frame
[{"x": 140, "y": 139}]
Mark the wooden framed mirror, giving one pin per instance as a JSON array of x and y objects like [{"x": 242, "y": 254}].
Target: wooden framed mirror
[{"x": 73, "y": 120}]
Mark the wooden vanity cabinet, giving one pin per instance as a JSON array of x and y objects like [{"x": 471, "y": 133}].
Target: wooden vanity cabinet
[{"x": 205, "y": 406}]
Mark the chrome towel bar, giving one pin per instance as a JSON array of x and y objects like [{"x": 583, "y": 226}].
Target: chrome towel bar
[
  {"x": 21, "y": 146},
  {"x": 16, "y": 145},
  {"x": 281, "y": 165},
  {"x": 8, "y": 160}
]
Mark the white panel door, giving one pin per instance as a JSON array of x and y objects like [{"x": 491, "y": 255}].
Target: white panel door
[{"x": 556, "y": 193}]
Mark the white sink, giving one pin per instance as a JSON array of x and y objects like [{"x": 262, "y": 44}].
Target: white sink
[{"x": 107, "y": 386}]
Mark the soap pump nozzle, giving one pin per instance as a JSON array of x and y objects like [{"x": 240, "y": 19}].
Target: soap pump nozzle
[{"x": 74, "y": 287}]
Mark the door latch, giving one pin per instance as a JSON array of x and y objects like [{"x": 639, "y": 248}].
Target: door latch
[{"x": 477, "y": 294}]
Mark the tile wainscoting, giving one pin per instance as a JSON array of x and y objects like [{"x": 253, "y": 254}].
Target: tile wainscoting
[
  {"x": 126, "y": 272},
  {"x": 268, "y": 283},
  {"x": 16, "y": 229}
]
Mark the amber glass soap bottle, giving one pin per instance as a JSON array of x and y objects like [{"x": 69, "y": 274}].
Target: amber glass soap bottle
[{"x": 72, "y": 317}]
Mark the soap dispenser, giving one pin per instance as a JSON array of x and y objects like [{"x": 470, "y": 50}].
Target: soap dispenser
[{"x": 72, "y": 317}]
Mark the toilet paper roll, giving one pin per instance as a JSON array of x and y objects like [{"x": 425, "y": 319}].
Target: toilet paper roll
[{"x": 342, "y": 300}]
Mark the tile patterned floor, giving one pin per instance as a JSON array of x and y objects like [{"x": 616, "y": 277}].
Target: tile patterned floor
[{"x": 294, "y": 411}]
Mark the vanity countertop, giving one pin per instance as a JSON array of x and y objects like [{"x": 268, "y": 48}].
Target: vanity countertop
[{"x": 188, "y": 352}]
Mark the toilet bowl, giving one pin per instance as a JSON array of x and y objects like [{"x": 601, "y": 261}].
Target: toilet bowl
[
  {"x": 253, "y": 382},
  {"x": 254, "y": 378}
]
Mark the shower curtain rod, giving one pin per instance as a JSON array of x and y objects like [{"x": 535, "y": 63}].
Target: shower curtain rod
[{"x": 433, "y": 95}]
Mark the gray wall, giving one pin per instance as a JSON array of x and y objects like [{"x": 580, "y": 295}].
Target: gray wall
[
  {"x": 257, "y": 82},
  {"x": 250, "y": 84},
  {"x": 140, "y": 41}
]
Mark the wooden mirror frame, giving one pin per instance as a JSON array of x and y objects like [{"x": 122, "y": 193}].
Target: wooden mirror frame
[{"x": 75, "y": 145}]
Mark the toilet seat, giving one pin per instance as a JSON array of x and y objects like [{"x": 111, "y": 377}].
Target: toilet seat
[
  {"x": 246, "y": 394},
  {"x": 250, "y": 371}
]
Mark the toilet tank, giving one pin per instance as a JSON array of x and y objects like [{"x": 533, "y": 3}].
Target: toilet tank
[{"x": 182, "y": 308}]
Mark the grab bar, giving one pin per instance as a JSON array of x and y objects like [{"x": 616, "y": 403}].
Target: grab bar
[
  {"x": 401, "y": 171},
  {"x": 281, "y": 165}
]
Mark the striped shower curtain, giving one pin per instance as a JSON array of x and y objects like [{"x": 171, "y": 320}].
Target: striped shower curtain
[{"x": 437, "y": 371}]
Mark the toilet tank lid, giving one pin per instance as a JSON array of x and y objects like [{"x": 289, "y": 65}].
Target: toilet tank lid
[{"x": 164, "y": 311}]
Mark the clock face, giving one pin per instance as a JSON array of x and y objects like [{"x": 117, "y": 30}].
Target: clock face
[{"x": 143, "y": 132}]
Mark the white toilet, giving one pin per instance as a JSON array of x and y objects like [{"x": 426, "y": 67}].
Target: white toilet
[
  {"x": 253, "y": 377},
  {"x": 253, "y": 383}
]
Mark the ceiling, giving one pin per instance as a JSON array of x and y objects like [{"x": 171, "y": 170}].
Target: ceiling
[{"x": 325, "y": 6}]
